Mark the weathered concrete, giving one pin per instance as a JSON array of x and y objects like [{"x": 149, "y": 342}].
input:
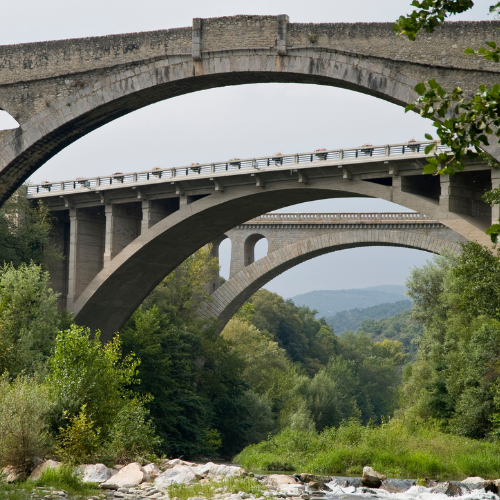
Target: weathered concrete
[
  {"x": 59, "y": 91},
  {"x": 296, "y": 238}
]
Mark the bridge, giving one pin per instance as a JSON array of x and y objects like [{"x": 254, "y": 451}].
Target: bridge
[
  {"x": 123, "y": 233},
  {"x": 61, "y": 90},
  {"x": 296, "y": 238}
]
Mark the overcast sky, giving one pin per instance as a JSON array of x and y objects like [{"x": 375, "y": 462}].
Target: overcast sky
[{"x": 244, "y": 121}]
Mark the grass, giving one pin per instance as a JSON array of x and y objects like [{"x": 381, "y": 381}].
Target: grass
[
  {"x": 207, "y": 490},
  {"x": 397, "y": 449},
  {"x": 60, "y": 478}
]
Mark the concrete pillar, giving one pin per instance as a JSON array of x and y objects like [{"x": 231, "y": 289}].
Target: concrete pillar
[
  {"x": 153, "y": 211},
  {"x": 59, "y": 240},
  {"x": 495, "y": 183},
  {"x": 123, "y": 225},
  {"x": 86, "y": 248},
  {"x": 237, "y": 254}
]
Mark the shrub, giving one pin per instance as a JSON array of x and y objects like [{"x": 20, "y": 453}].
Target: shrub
[
  {"x": 23, "y": 421},
  {"x": 66, "y": 478}
]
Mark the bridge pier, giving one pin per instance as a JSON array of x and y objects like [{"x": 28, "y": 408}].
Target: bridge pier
[
  {"x": 495, "y": 209},
  {"x": 86, "y": 248},
  {"x": 123, "y": 225}
]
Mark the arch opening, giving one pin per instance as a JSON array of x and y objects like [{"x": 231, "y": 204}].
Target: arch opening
[
  {"x": 7, "y": 121},
  {"x": 249, "y": 248}
]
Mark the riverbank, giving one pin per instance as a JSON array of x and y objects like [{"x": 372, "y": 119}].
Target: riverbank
[{"x": 400, "y": 449}]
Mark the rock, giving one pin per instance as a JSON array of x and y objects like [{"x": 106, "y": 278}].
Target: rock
[
  {"x": 276, "y": 480},
  {"x": 397, "y": 485},
  {"x": 307, "y": 478},
  {"x": 95, "y": 473},
  {"x": 11, "y": 474},
  {"x": 127, "y": 477},
  {"x": 314, "y": 486},
  {"x": 224, "y": 470},
  {"x": 152, "y": 471},
  {"x": 37, "y": 472},
  {"x": 177, "y": 475},
  {"x": 474, "y": 480},
  {"x": 36, "y": 461},
  {"x": 371, "y": 478},
  {"x": 478, "y": 483},
  {"x": 448, "y": 488}
]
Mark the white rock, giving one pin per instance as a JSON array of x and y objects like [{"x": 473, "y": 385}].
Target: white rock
[
  {"x": 276, "y": 480},
  {"x": 11, "y": 474},
  {"x": 37, "y": 472},
  {"x": 128, "y": 477},
  {"x": 224, "y": 470},
  {"x": 95, "y": 473},
  {"x": 177, "y": 475},
  {"x": 372, "y": 478},
  {"x": 152, "y": 471},
  {"x": 473, "y": 480}
]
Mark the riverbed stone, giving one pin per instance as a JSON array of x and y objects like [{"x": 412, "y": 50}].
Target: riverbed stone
[
  {"x": 277, "y": 480},
  {"x": 179, "y": 474},
  {"x": 37, "y": 472},
  {"x": 372, "y": 478},
  {"x": 449, "y": 488},
  {"x": 128, "y": 477},
  {"x": 152, "y": 471},
  {"x": 95, "y": 473},
  {"x": 397, "y": 485}
]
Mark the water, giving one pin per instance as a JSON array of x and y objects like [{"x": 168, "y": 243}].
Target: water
[{"x": 414, "y": 493}]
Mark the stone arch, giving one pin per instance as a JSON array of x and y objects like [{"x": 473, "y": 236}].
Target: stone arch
[
  {"x": 249, "y": 248},
  {"x": 125, "y": 281},
  {"x": 227, "y": 299},
  {"x": 68, "y": 108}
]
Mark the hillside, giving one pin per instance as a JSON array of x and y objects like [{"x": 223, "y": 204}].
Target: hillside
[
  {"x": 330, "y": 302},
  {"x": 351, "y": 320}
]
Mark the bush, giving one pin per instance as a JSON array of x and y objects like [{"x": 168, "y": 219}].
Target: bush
[{"x": 23, "y": 421}]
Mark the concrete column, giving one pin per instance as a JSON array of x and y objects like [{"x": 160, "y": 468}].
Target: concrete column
[
  {"x": 237, "y": 254},
  {"x": 123, "y": 225},
  {"x": 153, "y": 211},
  {"x": 86, "y": 245},
  {"x": 444, "y": 197},
  {"x": 495, "y": 183},
  {"x": 59, "y": 239}
]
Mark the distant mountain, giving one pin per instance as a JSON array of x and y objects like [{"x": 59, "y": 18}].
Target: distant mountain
[
  {"x": 330, "y": 302},
  {"x": 353, "y": 319}
]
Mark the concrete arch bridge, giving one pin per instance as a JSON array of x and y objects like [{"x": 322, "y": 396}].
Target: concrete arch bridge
[
  {"x": 296, "y": 238},
  {"x": 123, "y": 233},
  {"x": 58, "y": 91}
]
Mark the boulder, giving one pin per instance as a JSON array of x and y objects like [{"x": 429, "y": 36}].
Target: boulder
[
  {"x": 449, "y": 488},
  {"x": 277, "y": 480},
  {"x": 372, "y": 478},
  {"x": 179, "y": 474},
  {"x": 224, "y": 470},
  {"x": 37, "y": 472},
  {"x": 11, "y": 474},
  {"x": 397, "y": 485},
  {"x": 152, "y": 471},
  {"x": 95, "y": 473},
  {"x": 127, "y": 477}
]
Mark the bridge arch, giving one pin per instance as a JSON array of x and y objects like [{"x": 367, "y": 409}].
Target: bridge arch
[
  {"x": 227, "y": 299},
  {"x": 249, "y": 247},
  {"x": 60, "y": 99},
  {"x": 125, "y": 281}
]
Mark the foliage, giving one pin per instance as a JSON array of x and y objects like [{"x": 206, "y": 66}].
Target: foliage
[
  {"x": 64, "y": 478},
  {"x": 295, "y": 329},
  {"x": 23, "y": 421},
  {"x": 455, "y": 377},
  {"x": 402, "y": 327},
  {"x": 28, "y": 319},
  {"x": 208, "y": 490},
  {"x": 25, "y": 232},
  {"x": 353, "y": 318},
  {"x": 405, "y": 448},
  {"x": 89, "y": 382},
  {"x": 462, "y": 122}
]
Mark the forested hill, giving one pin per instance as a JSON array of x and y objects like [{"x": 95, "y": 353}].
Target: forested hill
[
  {"x": 330, "y": 302},
  {"x": 351, "y": 320}
]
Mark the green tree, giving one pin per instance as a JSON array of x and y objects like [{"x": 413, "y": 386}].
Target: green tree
[{"x": 28, "y": 319}]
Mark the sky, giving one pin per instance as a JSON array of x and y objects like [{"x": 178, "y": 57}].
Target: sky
[{"x": 242, "y": 121}]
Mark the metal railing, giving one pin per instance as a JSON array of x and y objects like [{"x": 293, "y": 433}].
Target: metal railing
[
  {"x": 234, "y": 165},
  {"x": 339, "y": 217}
]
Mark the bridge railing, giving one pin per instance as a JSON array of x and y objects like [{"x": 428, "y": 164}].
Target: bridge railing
[
  {"x": 230, "y": 166},
  {"x": 339, "y": 217}
]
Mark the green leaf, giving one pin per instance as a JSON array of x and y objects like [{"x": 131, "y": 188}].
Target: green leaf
[
  {"x": 430, "y": 168},
  {"x": 409, "y": 107},
  {"x": 420, "y": 88},
  {"x": 469, "y": 51},
  {"x": 494, "y": 229},
  {"x": 428, "y": 136}
]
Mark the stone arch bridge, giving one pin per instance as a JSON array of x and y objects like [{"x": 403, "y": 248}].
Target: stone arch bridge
[
  {"x": 59, "y": 91},
  {"x": 296, "y": 238}
]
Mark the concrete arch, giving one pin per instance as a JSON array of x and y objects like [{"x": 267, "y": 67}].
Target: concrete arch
[
  {"x": 125, "y": 281},
  {"x": 74, "y": 86},
  {"x": 227, "y": 299}
]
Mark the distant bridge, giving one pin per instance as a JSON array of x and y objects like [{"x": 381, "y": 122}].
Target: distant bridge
[{"x": 296, "y": 238}]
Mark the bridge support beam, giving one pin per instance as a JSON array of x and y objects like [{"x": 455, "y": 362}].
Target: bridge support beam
[
  {"x": 154, "y": 211},
  {"x": 123, "y": 225},
  {"x": 86, "y": 248}
]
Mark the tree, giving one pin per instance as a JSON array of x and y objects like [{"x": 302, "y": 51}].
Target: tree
[
  {"x": 29, "y": 320},
  {"x": 462, "y": 122}
]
